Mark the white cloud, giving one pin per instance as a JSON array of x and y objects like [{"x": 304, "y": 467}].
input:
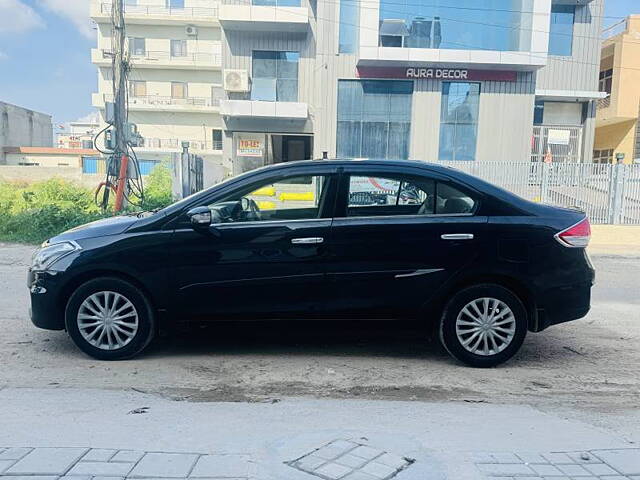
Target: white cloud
[
  {"x": 17, "y": 17},
  {"x": 3, "y": 56},
  {"x": 76, "y": 11}
]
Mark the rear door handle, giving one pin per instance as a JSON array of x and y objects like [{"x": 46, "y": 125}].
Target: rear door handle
[
  {"x": 457, "y": 236},
  {"x": 307, "y": 241}
]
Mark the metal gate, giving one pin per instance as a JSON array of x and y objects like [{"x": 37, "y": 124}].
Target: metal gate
[{"x": 556, "y": 143}]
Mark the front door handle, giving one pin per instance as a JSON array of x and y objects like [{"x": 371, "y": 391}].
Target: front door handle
[
  {"x": 307, "y": 241},
  {"x": 457, "y": 236}
]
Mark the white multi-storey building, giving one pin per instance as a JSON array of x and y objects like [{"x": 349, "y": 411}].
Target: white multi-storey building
[
  {"x": 460, "y": 80},
  {"x": 175, "y": 80}
]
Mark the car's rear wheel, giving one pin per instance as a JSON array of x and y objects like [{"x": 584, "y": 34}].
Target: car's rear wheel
[
  {"x": 109, "y": 319},
  {"x": 483, "y": 325}
]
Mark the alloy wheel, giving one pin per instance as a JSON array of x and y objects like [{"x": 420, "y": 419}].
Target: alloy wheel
[
  {"x": 107, "y": 320},
  {"x": 485, "y": 326}
]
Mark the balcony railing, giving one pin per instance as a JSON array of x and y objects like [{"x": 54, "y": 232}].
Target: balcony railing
[
  {"x": 604, "y": 102},
  {"x": 159, "y": 10},
  {"x": 615, "y": 29},
  {"x": 158, "y": 100},
  {"x": 176, "y": 144},
  {"x": 167, "y": 57}
]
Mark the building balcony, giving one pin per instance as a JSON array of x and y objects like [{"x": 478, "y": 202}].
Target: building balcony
[
  {"x": 162, "y": 59},
  {"x": 260, "y": 109},
  {"x": 174, "y": 145},
  {"x": 157, "y": 14},
  {"x": 614, "y": 109},
  {"x": 272, "y": 16},
  {"x": 160, "y": 103}
]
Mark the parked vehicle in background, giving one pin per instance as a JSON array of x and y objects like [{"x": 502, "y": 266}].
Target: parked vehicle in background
[{"x": 323, "y": 240}]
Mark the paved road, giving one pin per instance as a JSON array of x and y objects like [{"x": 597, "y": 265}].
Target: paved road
[
  {"x": 248, "y": 389},
  {"x": 592, "y": 363}
]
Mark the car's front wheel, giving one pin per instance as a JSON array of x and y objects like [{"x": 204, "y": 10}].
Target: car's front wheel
[
  {"x": 483, "y": 325},
  {"x": 109, "y": 319}
]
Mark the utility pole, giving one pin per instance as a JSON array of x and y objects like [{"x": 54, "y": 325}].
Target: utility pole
[{"x": 120, "y": 72}]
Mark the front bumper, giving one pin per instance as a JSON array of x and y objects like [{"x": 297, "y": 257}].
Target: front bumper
[{"x": 46, "y": 311}]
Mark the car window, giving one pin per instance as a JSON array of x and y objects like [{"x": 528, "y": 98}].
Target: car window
[
  {"x": 383, "y": 196},
  {"x": 290, "y": 198},
  {"x": 375, "y": 195},
  {"x": 451, "y": 201}
]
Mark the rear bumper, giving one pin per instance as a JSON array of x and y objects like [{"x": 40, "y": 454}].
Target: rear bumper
[
  {"x": 563, "y": 304},
  {"x": 45, "y": 311}
]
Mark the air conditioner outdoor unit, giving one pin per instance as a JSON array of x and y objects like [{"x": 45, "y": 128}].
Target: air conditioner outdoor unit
[
  {"x": 236, "y": 81},
  {"x": 191, "y": 30}
]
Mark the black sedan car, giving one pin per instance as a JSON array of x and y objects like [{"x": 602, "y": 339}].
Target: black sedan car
[{"x": 340, "y": 239}]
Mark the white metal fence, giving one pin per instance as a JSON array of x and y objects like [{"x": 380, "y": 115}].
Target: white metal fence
[{"x": 607, "y": 193}]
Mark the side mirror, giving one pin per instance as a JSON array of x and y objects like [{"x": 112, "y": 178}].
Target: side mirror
[{"x": 200, "y": 218}]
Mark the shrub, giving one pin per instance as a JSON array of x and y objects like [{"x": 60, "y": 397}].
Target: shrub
[
  {"x": 31, "y": 213},
  {"x": 157, "y": 188}
]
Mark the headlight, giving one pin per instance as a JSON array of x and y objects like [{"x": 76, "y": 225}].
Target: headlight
[{"x": 49, "y": 254}]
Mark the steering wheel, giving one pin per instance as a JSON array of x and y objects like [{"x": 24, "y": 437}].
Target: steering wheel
[{"x": 250, "y": 209}]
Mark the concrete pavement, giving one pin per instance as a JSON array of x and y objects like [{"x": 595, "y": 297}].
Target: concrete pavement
[{"x": 268, "y": 441}]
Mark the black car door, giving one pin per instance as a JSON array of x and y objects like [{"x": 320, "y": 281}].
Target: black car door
[
  {"x": 397, "y": 238},
  {"x": 265, "y": 255}
]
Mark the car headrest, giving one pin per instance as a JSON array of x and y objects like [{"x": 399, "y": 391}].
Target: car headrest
[{"x": 455, "y": 205}]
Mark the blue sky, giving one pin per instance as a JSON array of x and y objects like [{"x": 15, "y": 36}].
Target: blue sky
[{"x": 45, "y": 60}]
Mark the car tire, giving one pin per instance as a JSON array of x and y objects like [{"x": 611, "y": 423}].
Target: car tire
[
  {"x": 490, "y": 318},
  {"x": 127, "y": 320}
]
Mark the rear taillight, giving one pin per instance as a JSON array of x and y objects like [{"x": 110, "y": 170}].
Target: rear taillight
[{"x": 576, "y": 236}]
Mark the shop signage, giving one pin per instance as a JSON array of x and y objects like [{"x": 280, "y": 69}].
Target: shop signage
[
  {"x": 558, "y": 137},
  {"x": 250, "y": 147},
  {"x": 417, "y": 73}
]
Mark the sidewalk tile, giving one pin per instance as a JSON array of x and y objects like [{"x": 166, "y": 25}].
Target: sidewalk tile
[
  {"x": 546, "y": 470},
  {"x": 626, "y": 461},
  {"x": 5, "y": 464},
  {"x": 558, "y": 458},
  {"x": 574, "y": 470},
  {"x": 392, "y": 460},
  {"x": 164, "y": 465},
  {"x": 350, "y": 460},
  {"x": 378, "y": 470},
  {"x": 31, "y": 477},
  {"x": 505, "y": 469},
  {"x": 127, "y": 456},
  {"x": 332, "y": 451},
  {"x": 344, "y": 444},
  {"x": 505, "y": 458},
  {"x": 333, "y": 471},
  {"x": 47, "y": 461},
  {"x": 98, "y": 455},
  {"x": 107, "y": 478},
  {"x": 309, "y": 463},
  {"x": 75, "y": 477},
  {"x": 364, "y": 476},
  {"x": 221, "y": 466},
  {"x": 532, "y": 458},
  {"x": 14, "y": 453},
  {"x": 101, "y": 468},
  {"x": 366, "y": 452},
  {"x": 600, "y": 469},
  {"x": 577, "y": 457}
]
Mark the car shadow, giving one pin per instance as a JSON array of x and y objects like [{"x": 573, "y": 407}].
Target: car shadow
[{"x": 322, "y": 338}]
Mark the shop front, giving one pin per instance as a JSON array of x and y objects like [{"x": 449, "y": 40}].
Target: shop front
[{"x": 254, "y": 150}]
